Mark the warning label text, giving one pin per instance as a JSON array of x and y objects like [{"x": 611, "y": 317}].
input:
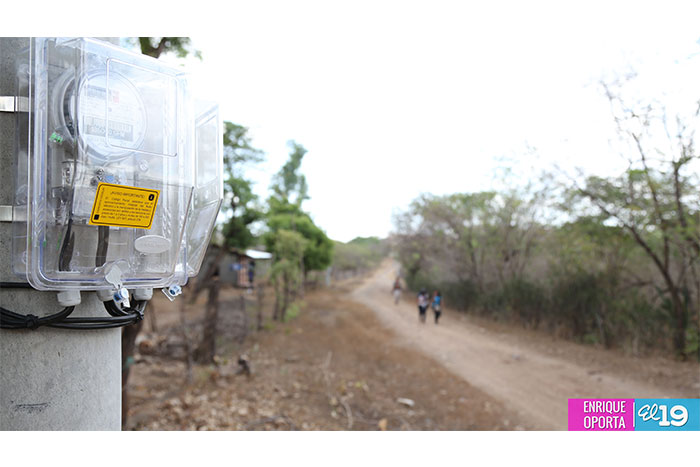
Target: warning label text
[{"x": 124, "y": 206}]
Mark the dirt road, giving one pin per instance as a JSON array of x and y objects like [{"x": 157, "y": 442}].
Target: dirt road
[{"x": 516, "y": 368}]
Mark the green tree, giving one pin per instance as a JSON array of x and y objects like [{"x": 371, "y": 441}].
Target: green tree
[
  {"x": 593, "y": 280},
  {"x": 285, "y": 272},
  {"x": 289, "y": 184},
  {"x": 289, "y": 191},
  {"x": 478, "y": 237},
  {"x": 241, "y": 205},
  {"x": 318, "y": 250},
  {"x": 156, "y": 46},
  {"x": 656, "y": 201},
  {"x": 653, "y": 208}
]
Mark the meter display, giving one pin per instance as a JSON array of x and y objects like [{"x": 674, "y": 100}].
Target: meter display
[
  {"x": 121, "y": 169},
  {"x": 127, "y": 116}
]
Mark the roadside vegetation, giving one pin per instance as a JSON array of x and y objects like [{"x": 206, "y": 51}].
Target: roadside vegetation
[{"x": 608, "y": 260}]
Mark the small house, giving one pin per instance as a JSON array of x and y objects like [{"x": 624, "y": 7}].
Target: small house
[{"x": 242, "y": 268}]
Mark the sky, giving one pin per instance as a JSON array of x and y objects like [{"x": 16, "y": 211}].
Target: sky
[{"x": 395, "y": 99}]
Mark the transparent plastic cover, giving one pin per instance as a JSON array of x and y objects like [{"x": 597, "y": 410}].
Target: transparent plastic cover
[
  {"x": 209, "y": 188},
  {"x": 112, "y": 173}
]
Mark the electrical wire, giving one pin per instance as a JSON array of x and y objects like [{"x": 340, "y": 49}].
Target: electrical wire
[
  {"x": 11, "y": 320},
  {"x": 102, "y": 245},
  {"x": 66, "y": 253},
  {"x": 114, "y": 310},
  {"x": 15, "y": 285},
  {"x": 118, "y": 317}
]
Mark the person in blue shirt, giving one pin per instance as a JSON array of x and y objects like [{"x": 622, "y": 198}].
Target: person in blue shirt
[{"x": 437, "y": 305}]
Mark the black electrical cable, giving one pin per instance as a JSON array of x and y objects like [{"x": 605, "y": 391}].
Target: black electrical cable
[
  {"x": 11, "y": 320},
  {"x": 130, "y": 315},
  {"x": 66, "y": 253},
  {"x": 88, "y": 327},
  {"x": 102, "y": 245},
  {"x": 114, "y": 310},
  {"x": 126, "y": 317},
  {"x": 15, "y": 285},
  {"x": 97, "y": 323}
]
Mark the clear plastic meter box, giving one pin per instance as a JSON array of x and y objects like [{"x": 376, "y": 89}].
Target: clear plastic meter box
[{"x": 118, "y": 167}]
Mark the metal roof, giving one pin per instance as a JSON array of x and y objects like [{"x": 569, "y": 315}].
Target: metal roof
[{"x": 257, "y": 254}]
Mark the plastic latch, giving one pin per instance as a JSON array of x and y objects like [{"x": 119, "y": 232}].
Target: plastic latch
[
  {"x": 121, "y": 296},
  {"x": 114, "y": 277},
  {"x": 172, "y": 292}
]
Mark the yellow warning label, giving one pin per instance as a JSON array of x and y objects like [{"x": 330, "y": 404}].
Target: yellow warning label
[{"x": 124, "y": 206}]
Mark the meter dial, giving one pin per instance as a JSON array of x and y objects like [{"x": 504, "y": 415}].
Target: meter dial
[{"x": 111, "y": 116}]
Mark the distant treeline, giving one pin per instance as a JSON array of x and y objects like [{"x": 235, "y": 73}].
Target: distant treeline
[{"x": 357, "y": 256}]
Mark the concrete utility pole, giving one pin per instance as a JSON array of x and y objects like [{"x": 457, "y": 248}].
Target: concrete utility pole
[{"x": 50, "y": 379}]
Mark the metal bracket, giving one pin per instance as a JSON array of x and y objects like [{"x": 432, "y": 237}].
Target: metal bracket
[
  {"x": 6, "y": 214},
  {"x": 12, "y": 214},
  {"x": 14, "y": 104}
]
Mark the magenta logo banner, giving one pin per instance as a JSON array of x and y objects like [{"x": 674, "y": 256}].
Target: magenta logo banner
[{"x": 601, "y": 414}]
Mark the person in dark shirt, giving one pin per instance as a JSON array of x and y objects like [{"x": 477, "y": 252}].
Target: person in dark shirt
[{"x": 251, "y": 274}]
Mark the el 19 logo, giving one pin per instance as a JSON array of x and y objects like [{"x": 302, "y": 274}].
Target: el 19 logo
[
  {"x": 667, "y": 414},
  {"x": 679, "y": 414}
]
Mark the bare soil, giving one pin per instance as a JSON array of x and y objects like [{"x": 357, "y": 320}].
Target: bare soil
[
  {"x": 334, "y": 367},
  {"x": 352, "y": 359}
]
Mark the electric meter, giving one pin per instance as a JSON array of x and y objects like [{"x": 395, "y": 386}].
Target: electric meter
[{"x": 119, "y": 170}]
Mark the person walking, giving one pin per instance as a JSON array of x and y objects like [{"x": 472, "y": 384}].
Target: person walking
[
  {"x": 437, "y": 305},
  {"x": 422, "y": 305},
  {"x": 251, "y": 276},
  {"x": 397, "y": 290}
]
